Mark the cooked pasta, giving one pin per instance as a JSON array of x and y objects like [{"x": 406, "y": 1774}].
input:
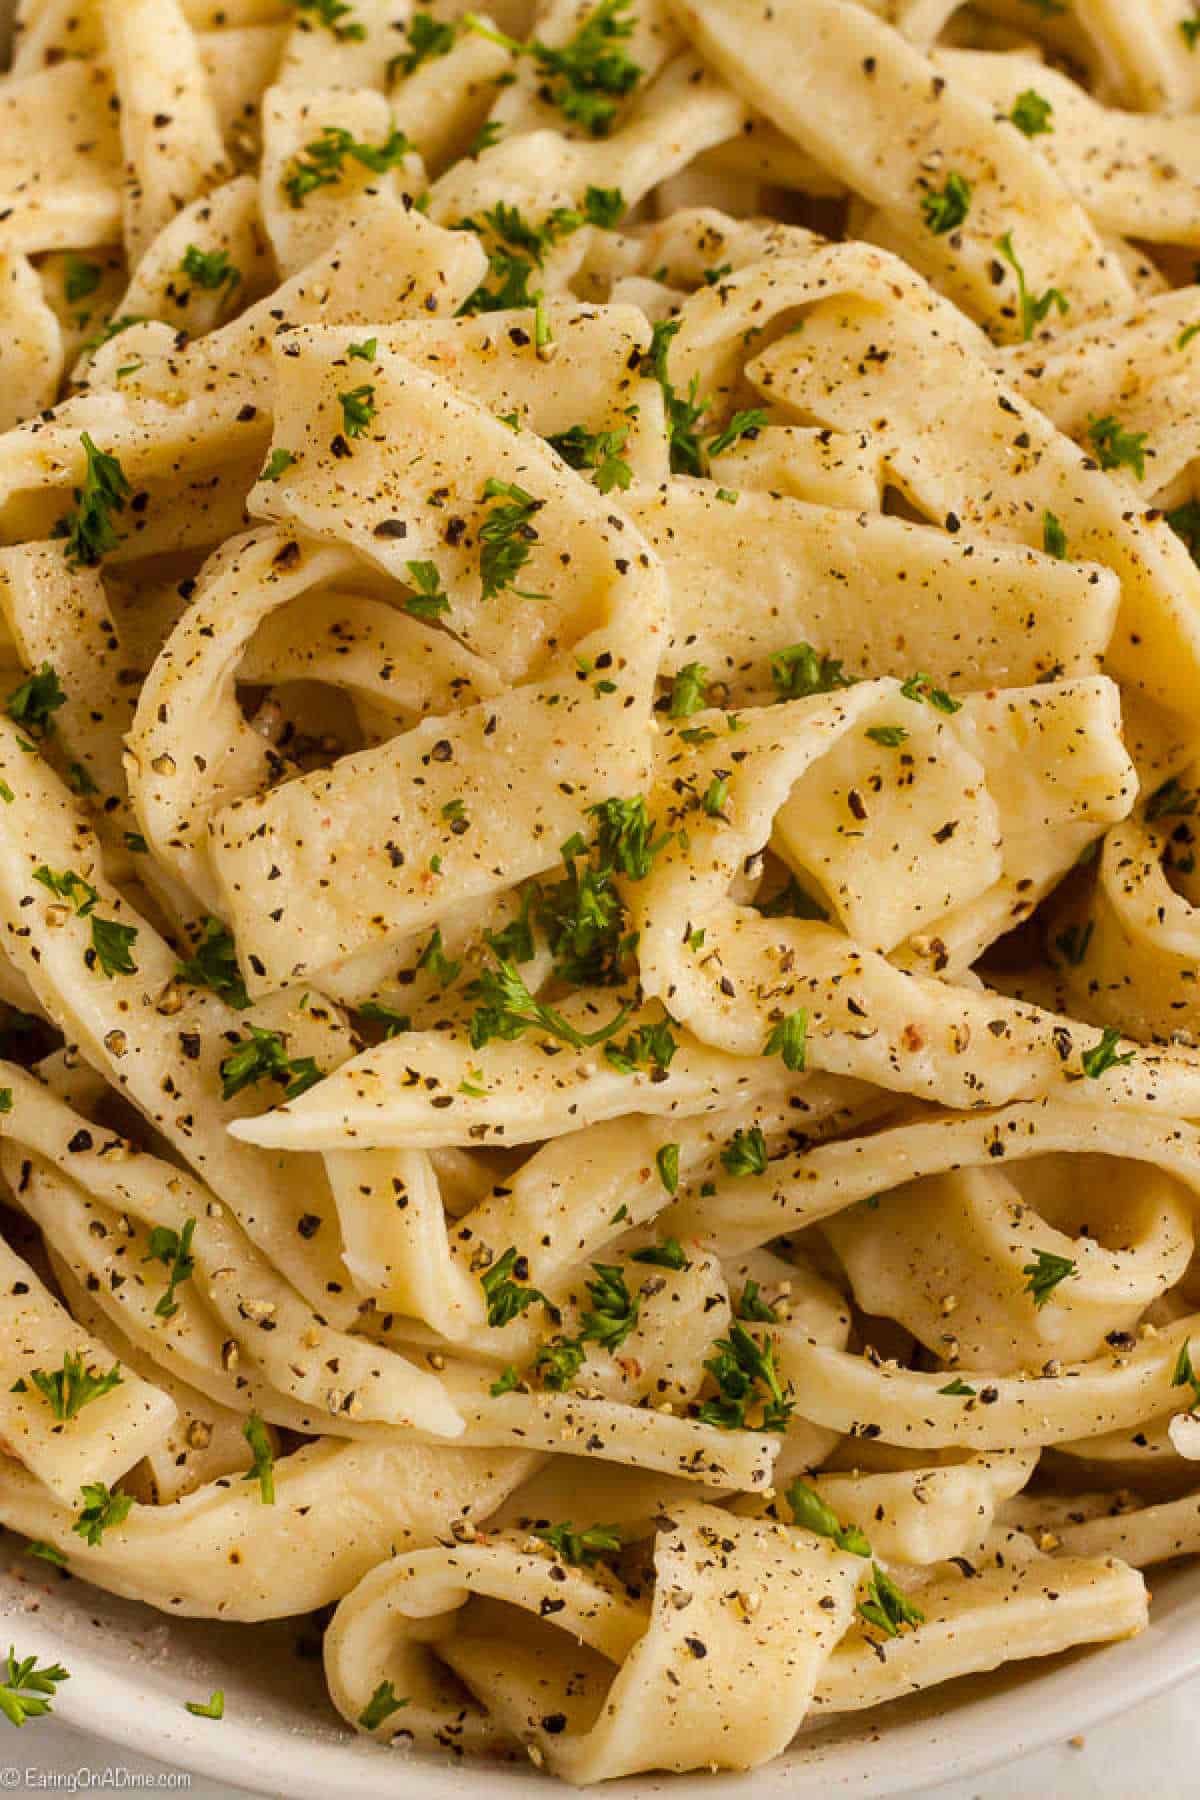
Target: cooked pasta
[{"x": 600, "y": 608}]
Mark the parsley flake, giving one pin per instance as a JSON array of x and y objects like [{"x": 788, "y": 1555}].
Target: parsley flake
[
  {"x": 945, "y": 209},
  {"x": 812, "y": 1513},
  {"x": 506, "y": 1297},
  {"x": 89, "y": 530},
  {"x": 103, "y": 1510},
  {"x": 174, "y": 1250},
  {"x": 322, "y": 162},
  {"x": 38, "y": 698},
  {"x": 25, "y": 1690},
  {"x": 789, "y": 1039},
  {"x": 887, "y": 1608},
  {"x": 1045, "y": 1275},
  {"x": 746, "y": 1153},
  {"x": 1116, "y": 448},
  {"x": 382, "y": 1704},
  {"x": 262, "y": 1057},
  {"x": 262, "y": 1469},
  {"x": 1034, "y": 308},
  {"x": 1031, "y": 113},
  {"x": 210, "y": 269},
  {"x": 212, "y": 1708},
  {"x": 69, "y": 1389},
  {"x": 800, "y": 671},
  {"x": 1103, "y": 1056},
  {"x": 213, "y": 964}
]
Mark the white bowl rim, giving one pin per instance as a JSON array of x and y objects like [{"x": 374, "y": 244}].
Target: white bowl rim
[{"x": 961, "y": 1730}]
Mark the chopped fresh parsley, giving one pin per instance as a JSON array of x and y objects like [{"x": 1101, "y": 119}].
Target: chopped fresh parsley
[
  {"x": 1116, "y": 448},
  {"x": 670, "y": 1254},
  {"x": 45, "y": 1552},
  {"x": 558, "y": 1363},
  {"x": 746, "y": 1153},
  {"x": 430, "y": 599},
  {"x": 649, "y": 1047},
  {"x": 444, "y": 969},
  {"x": 920, "y": 687},
  {"x": 1185, "y": 523},
  {"x": 800, "y": 671},
  {"x": 689, "y": 691},
  {"x": 1045, "y": 1275},
  {"x": 507, "y": 1297},
  {"x": 262, "y": 1469},
  {"x": 174, "y": 1250},
  {"x": 212, "y": 1708},
  {"x": 666, "y": 1161},
  {"x": 751, "y": 1305},
  {"x": 581, "y": 1547},
  {"x": 507, "y": 1009},
  {"x": 336, "y": 16},
  {"x": 103, "y": 1510},
  {"x": 79, "y": 779},
  {"x": 80, "y": 279},
  {"x": 277, "y": 462},
  {"x": 25, "y": 1690},
  {"x": 427, "y": 38},
  {"x": 1073, "y": 942},
  {"x": 625, "y": 837},
  {"x": 213, "y": 964},
  {"x": 69, "y": 1389},
  {"x": 89, "y": 530},
  {"x": 587, "y": 76},
  {"x": 393, "y": 1022},
  {"x": 789, "y": 1039},
  {"x": 1184, "y": 1373},
  {"x": 1054, "y": 538},
  {"x": 262, "y": 1057},
  {"x": 945, "y": 209},
  {"x": 683, "y": 415},
  {"x": 382, "y": 1704},
  {"x": 112, "y": 943},
  {"x": 358, "y": 409},
  {"x": 958, "y": 1388},
  {"x": 743, "y": 424},
  {"x": 1169, "y": 799},
  {"x": 506, "y": 1383},
  {"x": 890, "y": 736},
  {"x": 364, "y": 352},
  {"x": 596, "y": 450},
  {"x": 716, "y": 797},
  {"x": 210, "y": 269},
  {"x": 505, "y": 538},
  {"x": 66, "y": 885},
  {"x": 38, "y": 698},
  {"x": 614, "y": 1310},
  {"x": 811, "y": 1512},
  {"x": 321, "y": 163},
  {"x": 744, "y": 1371},
  {"x": 1034, "y": 308},
  {"x": 1032, "y": 113},
  {"x": 1103, "y": 1056},
  {"x": 887, "y": 1608}
]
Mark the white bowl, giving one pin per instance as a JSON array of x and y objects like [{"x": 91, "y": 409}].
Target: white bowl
[{"x": 132, "y": 1670}]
